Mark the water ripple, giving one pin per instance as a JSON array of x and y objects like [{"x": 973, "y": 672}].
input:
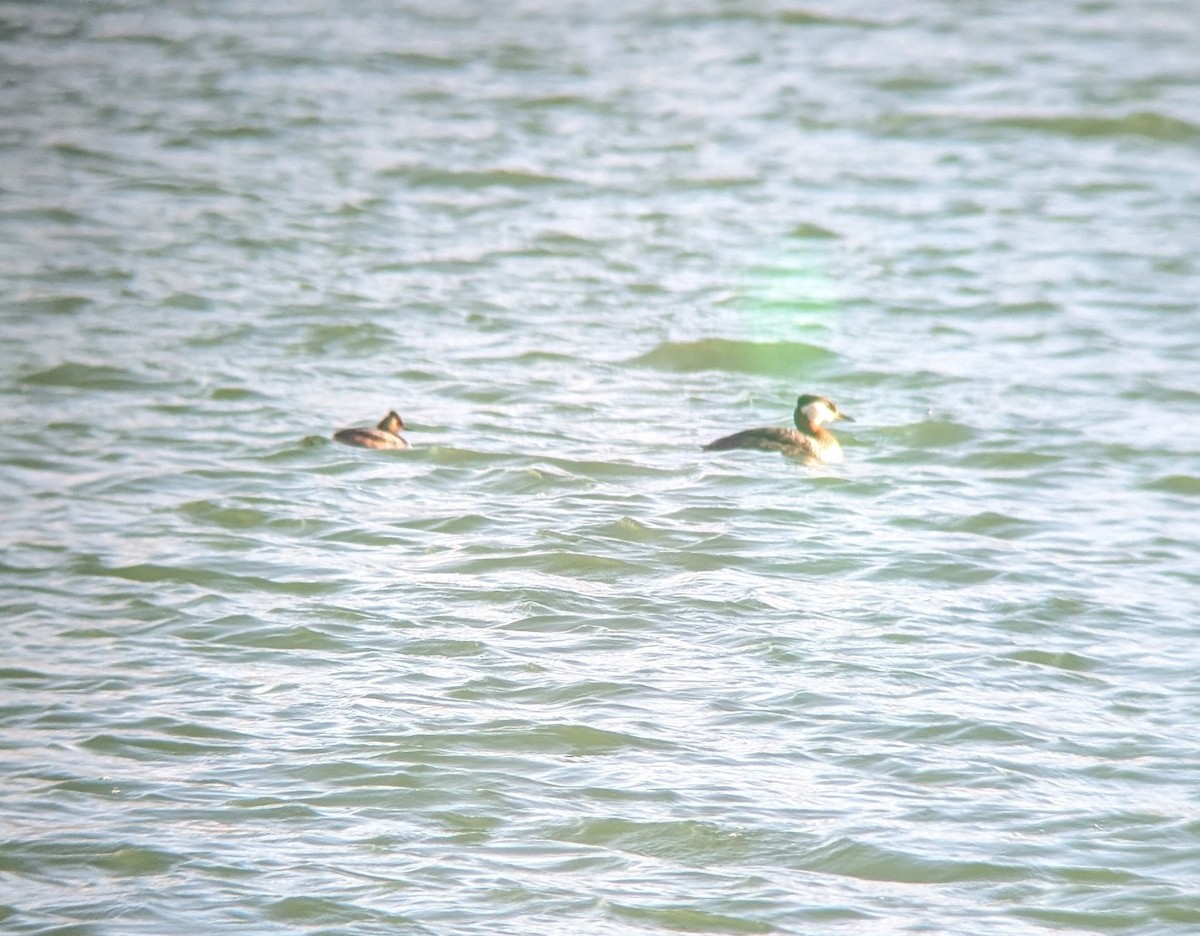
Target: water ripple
[{"x": 555, "y": 667}]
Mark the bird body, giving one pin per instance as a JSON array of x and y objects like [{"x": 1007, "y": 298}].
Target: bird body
[
  {"x": 810, "y": 441},
  {"x": 386, "y": 435}
]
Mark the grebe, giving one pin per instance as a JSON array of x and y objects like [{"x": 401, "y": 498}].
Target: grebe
[
  {"x": 384, "y": 436},
  {"x": 809, "y": 441}
]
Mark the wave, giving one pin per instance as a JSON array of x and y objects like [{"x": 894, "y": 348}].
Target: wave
[
  {"x": 1148, "y": 124},
  {"x": 88, "y": 376},
  {"x": 471, "y": 178},
  {"x": 1140, "y": 123},
  {"x": 773, "y": 359}
]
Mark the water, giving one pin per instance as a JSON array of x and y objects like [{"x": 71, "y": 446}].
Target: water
[{"x": 555, "y": 669}]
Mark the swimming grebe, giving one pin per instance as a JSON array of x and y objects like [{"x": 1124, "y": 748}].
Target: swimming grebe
[
  {"x": 809, "y": 441},
  {"x": 384, "y": 436}
]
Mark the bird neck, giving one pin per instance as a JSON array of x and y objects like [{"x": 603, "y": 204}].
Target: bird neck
[{"x": 810, "y": 428}]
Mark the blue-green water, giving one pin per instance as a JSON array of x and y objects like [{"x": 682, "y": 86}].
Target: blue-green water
[{"x": 556, "y": 670}]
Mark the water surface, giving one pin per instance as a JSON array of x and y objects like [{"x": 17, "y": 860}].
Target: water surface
[{"x": 555, "y": 668}]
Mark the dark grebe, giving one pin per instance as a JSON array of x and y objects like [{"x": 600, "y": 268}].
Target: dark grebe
[
  {"x": 809, "y": 441},
  {"x": 384, "y": 436}
]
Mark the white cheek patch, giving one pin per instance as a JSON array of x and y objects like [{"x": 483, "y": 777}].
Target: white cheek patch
[{"x": 818, "y": 413}]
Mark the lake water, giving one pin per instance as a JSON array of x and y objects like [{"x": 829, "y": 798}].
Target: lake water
[{"x": 555, "y": 669}]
